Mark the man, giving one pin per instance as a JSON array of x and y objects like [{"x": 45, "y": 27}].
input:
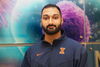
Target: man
[{"x": 55, "y": 49}]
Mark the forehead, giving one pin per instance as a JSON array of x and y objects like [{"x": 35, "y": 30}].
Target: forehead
[{"x": 50, "y": 11}]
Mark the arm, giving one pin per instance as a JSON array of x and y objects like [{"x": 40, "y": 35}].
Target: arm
[
  {"x": 81, "y": 57},
  {"x": 26, "y": 61}
]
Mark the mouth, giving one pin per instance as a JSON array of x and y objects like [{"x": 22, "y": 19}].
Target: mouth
[{"x": 51, "y": 28}]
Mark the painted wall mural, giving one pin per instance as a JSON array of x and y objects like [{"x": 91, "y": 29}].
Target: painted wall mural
[{"x": 20, "y": 23}]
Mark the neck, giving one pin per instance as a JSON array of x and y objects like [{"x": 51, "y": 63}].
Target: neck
[{"x": 50, "y": 38}]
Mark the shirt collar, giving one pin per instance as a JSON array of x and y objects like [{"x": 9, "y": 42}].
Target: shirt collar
[{"x": 55, "y": 42}]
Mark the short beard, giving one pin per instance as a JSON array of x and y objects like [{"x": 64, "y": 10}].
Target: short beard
[{"x": 51, "y": 32}]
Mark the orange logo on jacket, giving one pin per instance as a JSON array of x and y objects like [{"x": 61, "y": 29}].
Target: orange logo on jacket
[
  {"x": 39, "y": 54},
  {"x": 62, "y": 51}
]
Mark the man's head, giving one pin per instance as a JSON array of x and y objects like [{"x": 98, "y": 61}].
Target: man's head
[{"x": 51, "y": 19}]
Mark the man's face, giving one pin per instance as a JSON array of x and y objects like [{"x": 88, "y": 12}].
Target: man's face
[{"x": 51, "y": 20}]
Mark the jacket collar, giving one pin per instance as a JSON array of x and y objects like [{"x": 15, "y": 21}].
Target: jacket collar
[{"x": 55, "y": 42}]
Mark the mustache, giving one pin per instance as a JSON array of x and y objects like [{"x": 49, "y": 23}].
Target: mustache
[{"x": 51, "y": 25}]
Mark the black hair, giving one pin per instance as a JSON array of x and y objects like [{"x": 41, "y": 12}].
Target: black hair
[{"x": 51, "y": 5}]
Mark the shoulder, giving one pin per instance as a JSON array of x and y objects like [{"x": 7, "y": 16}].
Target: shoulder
[
  {"x": 75, "y": 45},
  {"x": 71, "y": 42},
  {"x": 32, "y": 49}
]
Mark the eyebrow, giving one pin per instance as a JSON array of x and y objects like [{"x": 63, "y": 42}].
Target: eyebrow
[
  {"x": 56, "y": 14},
  {"x": 53, "y": 15},
  {"x": 45, "y": 15}
]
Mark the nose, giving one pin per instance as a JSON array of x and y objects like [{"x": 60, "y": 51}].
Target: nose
[{"x": 50, "y": 21}]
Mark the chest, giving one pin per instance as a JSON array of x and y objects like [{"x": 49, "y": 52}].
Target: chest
[{"x": 52, "y": 57}]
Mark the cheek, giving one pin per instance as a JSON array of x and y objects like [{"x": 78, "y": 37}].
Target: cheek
[
  {"x": 44, "y": 24},
  {"x": 57, "y": 22}
]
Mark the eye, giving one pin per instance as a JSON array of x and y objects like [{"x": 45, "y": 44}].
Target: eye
[
  {"x": 45, "y": 18},
  {"x": 55, "y": 17}
]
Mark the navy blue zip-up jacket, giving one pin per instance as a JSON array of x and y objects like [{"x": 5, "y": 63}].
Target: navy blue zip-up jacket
[{"x": 64, "y": 52}]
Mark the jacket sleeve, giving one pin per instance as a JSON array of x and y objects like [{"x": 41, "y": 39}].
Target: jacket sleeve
[
  {"x": 26, "y": 60},
  {"x": 81, "y": 58}
]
